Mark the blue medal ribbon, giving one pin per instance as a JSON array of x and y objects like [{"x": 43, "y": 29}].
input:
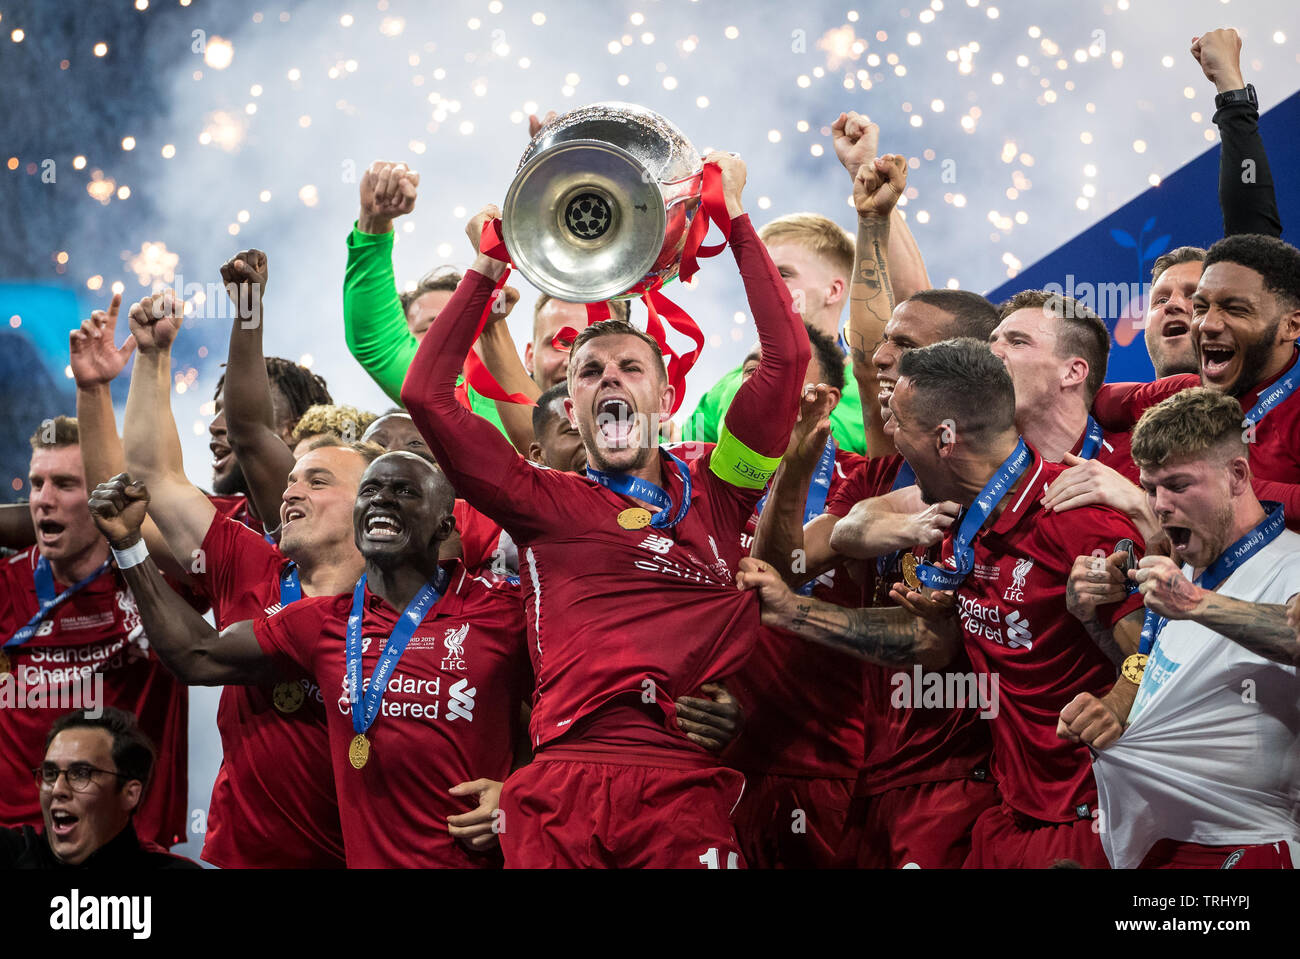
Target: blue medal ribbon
[
  {"x": 290, "y": 585},
  {"x": 365, "y": 706},
  {"x": 818, "y": 489},
  {"x": 1280, "y": 391},
  {"x": 815, "y": 504},
  {"x": 1091, "y": 441},
  {"x": 43, "y": 577},
  {"x": 1267, "y": 530},
  {"x": 906, "y": 476},
  {"x": 648, "y": 492},
  {"x": 938, "y": 577}
]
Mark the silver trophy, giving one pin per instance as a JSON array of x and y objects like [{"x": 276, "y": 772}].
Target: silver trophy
[{"x": 601, "y": 203}]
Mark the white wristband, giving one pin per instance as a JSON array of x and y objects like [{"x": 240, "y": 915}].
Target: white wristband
[{"x": 133, "y": 555}]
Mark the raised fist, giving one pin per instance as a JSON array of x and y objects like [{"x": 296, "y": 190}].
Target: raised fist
[
  {"x": 388, "y": 190},
  {"x": 855, "y": 139},
  {"x": 879, "y": 185},
  {"x": 156, "y": 320},
  {"x": 118, "y": 508},
  {"x": 1219, "y": 54},
  {"x": 245, "y": 275}
]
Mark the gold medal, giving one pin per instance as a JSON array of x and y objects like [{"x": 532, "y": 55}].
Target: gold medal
[
  {"x": 288, "y": 697},
  {"x": 910, "y": 562},
  {"x": 359, "y": 751},
  {"x": 634, "y": 518},
  {"x": 1133, "y": 668},
  {"x": 5, "y": 665}
]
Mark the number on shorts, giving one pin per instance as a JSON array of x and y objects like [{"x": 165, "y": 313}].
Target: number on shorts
[{"x": 710, "y": 859}]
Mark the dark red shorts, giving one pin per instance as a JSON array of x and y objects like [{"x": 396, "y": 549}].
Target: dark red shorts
[
  {"x": 795, "y": 822},
  {"x": 1167, "y": 854},
  {"x": 572, "y": 813},
  {"x": 925, "y": 826},
  {"x": 1004, "y": 839}
]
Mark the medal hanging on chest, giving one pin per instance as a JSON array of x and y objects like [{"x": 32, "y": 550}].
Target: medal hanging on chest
[
  {"x": 366, "y": 699},
  {"x": 359, "y": 751},
  {"x": 638, "y": 517},
  {"x": 634, "y": 518}
]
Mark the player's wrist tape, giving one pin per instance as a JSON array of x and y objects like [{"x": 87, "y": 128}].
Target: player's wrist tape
[
  {"x": 133, "y": 555},
  {"x": 735, "y": 463}
]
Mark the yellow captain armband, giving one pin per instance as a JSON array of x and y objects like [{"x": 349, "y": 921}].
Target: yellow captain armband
[{"x": 735, "y": 463}]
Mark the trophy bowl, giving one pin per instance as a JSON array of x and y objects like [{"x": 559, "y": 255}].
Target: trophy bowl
[{"x": 601, "y": 203}]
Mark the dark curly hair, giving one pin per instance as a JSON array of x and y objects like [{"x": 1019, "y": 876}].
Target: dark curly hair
[{"x": 1276, "y": 261}]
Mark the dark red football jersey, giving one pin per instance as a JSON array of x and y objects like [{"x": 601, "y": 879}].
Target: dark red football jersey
[
  {"x": 1016, "y": 627},
  {"x": 481, "y": 540},
  {"x": 239, "y": 509},
  {"x": 639, "y": 616},
  {"x": 449, "y": 713},
  {"x": 96, "y": 636},
  {"x": 273, "y": 802},
  {"x": 1115, "y": 452},
  {"x": 802, "y": 701},
  {"x": 905, "y": 744}
]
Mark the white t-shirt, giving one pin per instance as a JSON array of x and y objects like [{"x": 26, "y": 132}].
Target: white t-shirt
[{"x": 1212, "y": 751}]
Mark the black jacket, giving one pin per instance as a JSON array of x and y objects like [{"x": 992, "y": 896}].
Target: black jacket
[
  {"x": 26, "y": 848},
  {"x": 1246, "y": 194}
]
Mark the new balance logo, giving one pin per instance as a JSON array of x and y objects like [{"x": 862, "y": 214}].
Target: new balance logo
[
  {"x": 657, "y": 544},
  {"x": 460, "y": 703}
]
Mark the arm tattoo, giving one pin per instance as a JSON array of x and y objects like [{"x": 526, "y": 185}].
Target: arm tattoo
[
  {"x": 1105, "y": 641},
  {"x": 889, "y": 637},
  {"x": 871, "y": 281},
  {"x": 1261, "y": 628},
  {"x": 871, "y": 288}
]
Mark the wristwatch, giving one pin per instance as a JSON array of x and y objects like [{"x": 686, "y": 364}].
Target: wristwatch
[{"x": 1245, "y": 95}]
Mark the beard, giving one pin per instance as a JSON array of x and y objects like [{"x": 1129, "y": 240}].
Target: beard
[
  {"x": 1254, "y": 360},
  {"x": 1175, "y": 362},
  {"x": 232, "y": 483},
  {"x": 618, "y": 461}
]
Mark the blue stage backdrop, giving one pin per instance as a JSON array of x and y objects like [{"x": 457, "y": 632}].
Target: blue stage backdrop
[{"x": 1108, "y": 265}]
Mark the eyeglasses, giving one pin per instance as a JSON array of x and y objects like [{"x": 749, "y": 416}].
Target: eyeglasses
[{"x": 80, "y": 775}]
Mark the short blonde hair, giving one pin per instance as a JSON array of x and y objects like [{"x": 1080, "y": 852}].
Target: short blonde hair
[
  {"x": 56, "y": 433},
  {"x": 1188, "y": 425},
  {"x": 344, "y": 422},
  {"x": 813, "y": 231}
]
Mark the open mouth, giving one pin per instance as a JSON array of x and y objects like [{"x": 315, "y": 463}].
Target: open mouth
[
  {"x": 616, "y": 421},
  {"x": 49, "y": 529},
  {"x": 63, "y": 822},
  {"x": 1174, "y": 328},
  {"x": 1179, "y": 537},
  {"x": 883, "y": 397},
  {"x": 1216, "y": 358},
  {"x": 220, "y": 456},
  {"x": 293, "y": 513},
  {"x": 383, "y": 526}
]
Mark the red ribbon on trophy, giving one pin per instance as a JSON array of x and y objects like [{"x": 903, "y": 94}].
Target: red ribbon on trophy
[{"x": 660, "y": 310}]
